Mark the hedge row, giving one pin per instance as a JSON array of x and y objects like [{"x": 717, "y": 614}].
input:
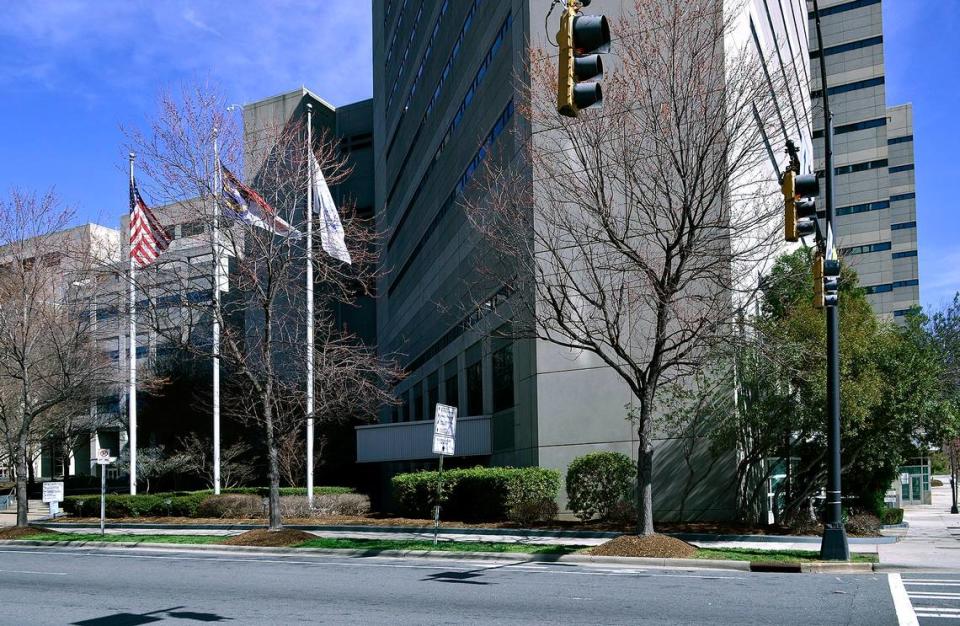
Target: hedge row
[
  {"x": 172, "y": 504},
  {"x": 479, "y": 494}
]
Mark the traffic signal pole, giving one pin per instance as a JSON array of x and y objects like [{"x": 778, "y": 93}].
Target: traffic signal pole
[{"x": 833, "y": 546}]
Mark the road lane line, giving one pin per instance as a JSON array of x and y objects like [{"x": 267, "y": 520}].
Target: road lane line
[
  {"x": 935, "y": 608},
  {"x": 939, "y": 615},
  {"x": 926, "y": 584},
  {"x": 25, "y": 571},
  {"x": 901, "y": 602}
]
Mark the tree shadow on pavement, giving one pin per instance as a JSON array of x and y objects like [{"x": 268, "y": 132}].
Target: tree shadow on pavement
[{"x": 135, "y": 619}]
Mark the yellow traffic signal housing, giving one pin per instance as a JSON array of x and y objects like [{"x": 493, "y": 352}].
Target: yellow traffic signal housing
[
  {"x": 580, "y": 37},
  {"x": 818, "y": 295},
  {"x": 787, "y": 186}
]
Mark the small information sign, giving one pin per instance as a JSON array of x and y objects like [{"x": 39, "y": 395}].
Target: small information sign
[
  {"x": 53, "y": 492},
  {"x": 444, "y": 429},
  {"x": 103, "y": 456}
]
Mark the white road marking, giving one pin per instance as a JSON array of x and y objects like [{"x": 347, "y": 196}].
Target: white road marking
[
  {"x": 907, "y": 581},
  {"x": 901, "y": 602},
  {"x": 929, "y": 584},
  {"x": 934, "y": 596},
  {"x": 920, "y": 594},
  {"x": 942, "y": 609},
  {"x": 939, "y": 615},
  {"x": 24, "y": 571}
]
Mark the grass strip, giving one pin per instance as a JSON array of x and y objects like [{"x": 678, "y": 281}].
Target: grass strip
[
  {"x": 76, "y": 537},
  {"x": 377, "y": 545},
  {"x": 373, "y": 545},
  {"x": 773, "y": 556}
]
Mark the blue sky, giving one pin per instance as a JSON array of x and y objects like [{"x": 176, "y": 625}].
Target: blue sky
[{"x": 73, "y": 71}]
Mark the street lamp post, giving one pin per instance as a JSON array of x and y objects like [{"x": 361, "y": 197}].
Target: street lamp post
[{"x": 833, "y": 546}]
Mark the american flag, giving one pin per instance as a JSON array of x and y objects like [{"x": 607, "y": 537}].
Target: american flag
[{"x": 148, "y": 239}]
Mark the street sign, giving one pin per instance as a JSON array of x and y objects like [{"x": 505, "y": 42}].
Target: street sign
[
  {"x": 53, "y": 492},
  {"x": 103, "y": 456},
  {"x": 444, "y": 429}
]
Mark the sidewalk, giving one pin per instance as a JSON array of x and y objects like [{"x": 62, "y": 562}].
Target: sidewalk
[
  {"x": 37, "y": 510},
  {"x": 932, "y": 540}
]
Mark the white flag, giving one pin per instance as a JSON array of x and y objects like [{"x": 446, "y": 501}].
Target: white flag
[{"x": 331, "y": 231}]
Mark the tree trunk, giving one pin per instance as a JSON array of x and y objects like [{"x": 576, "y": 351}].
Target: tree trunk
[
  {"x": 274, "y": 466},
  {"x": 22, "y": 471},
  {"x": 645, "y": 473}
]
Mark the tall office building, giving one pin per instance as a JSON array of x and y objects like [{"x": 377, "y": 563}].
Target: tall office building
[
  {"x": 875, "y": 192},
  {"x": 445, "y": 95}
]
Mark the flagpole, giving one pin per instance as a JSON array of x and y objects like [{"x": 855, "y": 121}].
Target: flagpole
[
  {"x": 216, "y": 314},
  {"x": 310, "y": 339},
  {"x": 132, "y": 345}
]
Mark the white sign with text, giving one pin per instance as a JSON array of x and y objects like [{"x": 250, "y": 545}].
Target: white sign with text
[
  {"x": 444, "y": 429},
  {"x": 53, "y": 492}
]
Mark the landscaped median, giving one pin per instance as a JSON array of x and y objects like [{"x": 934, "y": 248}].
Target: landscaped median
[{"x": 735, "y": 558}]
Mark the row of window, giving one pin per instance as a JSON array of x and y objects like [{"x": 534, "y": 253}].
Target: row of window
[
  {"x": 498, "y": 128},
  {"x": 412, "y": 407},
  {"x": 396, "y": 28},
  {"x": 902, "y": 196},
  {"x": 424, "y": 60},
  {"x": 868, "y": 248},
  {"x": 197, "y": 296},
  {"x": 406, "y": 53},
  {"x": 849, "y": 128},
  {"x": 444, "y": 73},
  {"x": 860, "y": 167},
  {"x": 863, "y": 208},
  {"x": 901, "y": 168},
  {"x": 888, "y": 287},
  {"x": 895, "y": 140},
  {"x": 848, "y": 87},
  {"x": 905, "y": 255},
  {"x": 454, "y": 124},
  {"x": 847, "y": 6},
  {"x": 848, "y": 47},
  {"x": 465, "y": 324},
  {"x": 903, "y": 225}
]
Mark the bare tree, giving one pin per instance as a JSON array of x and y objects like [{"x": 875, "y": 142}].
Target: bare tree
[
  {"x": 263, "y": 315},
  {"x": 50, "y": 368},
  {"x": 633, "y": 228},
  {"x": 237, "y": 461}
]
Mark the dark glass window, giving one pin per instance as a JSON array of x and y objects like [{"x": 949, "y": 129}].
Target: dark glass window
[
  {"x": 846, "y": 6},
  {"x": 475, "y": 388},
  {"x": 848, "y": 47},
  {"x": 860, "y": 84},
  {"x": 417, "y": 403},
  {"x": 903, "y": 225},
  {"x": 191, "y": 229},
  {"x": 906, "y": 283},
  {"x": 451, "y": 386},
  {"x": 503, "y": 378},
  {"x": 903, "y": 196},
  {"x": 904, "y": 255},
  {"x": 895, "y": 140},
  {"x": 901, "y": 168},
  {"x": 433, "y": 393},
  {"x": 849, "y": 128}
]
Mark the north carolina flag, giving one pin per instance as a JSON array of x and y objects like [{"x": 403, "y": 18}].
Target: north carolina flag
[{"x": 246, "y": 205}]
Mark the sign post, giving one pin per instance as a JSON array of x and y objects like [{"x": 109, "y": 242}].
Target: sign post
[
  {"x": 53, "y": 495},
  {"x": 103, "y": 460},
  {"x": 444, "y": 438}
]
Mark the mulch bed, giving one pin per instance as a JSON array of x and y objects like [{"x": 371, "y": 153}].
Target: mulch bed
[
  {"x": 656, "y": 546},
  {"x": 282, "y": 538},
  {"x": 21, "y": 532}
]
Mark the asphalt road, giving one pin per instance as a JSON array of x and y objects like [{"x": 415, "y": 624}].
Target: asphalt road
[{"x": 123, "y": 587}]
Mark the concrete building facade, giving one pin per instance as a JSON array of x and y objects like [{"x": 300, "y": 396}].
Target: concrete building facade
[
  {"x": 875, "y": 190},
  {"x": 444, "y": 96}
]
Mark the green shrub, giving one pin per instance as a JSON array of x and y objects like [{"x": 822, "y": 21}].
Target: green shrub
[
  {"x": 232, "y": 505},
  {"x": 597, "y": 482},
  {"x": 479, "y": 493},
  {"x": 892, "y": 516}
]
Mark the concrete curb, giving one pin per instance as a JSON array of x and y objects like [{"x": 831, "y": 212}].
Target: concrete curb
[{"x": 743, "y": 566}]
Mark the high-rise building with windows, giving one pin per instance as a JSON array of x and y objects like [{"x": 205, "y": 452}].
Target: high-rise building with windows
[
  {"x": 875, "y": 190},
  {"x": 445, "y": 96}
]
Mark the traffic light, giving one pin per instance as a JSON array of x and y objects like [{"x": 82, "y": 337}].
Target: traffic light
[
  {"x": 581, "y": 38},
  {"x": 800, "y": 204},
  {"x": 831, "y": 282},
  {"x": 818, "y": 295}
]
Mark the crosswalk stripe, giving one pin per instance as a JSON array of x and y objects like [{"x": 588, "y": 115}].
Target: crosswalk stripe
[
  {"x": 907, "y": 581},
  {"x": 939, "y": 615},
  {"x": 935, "y": 608},
  {"x": 931, "y": 584},
  {"x": 934, "y": 596}
]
